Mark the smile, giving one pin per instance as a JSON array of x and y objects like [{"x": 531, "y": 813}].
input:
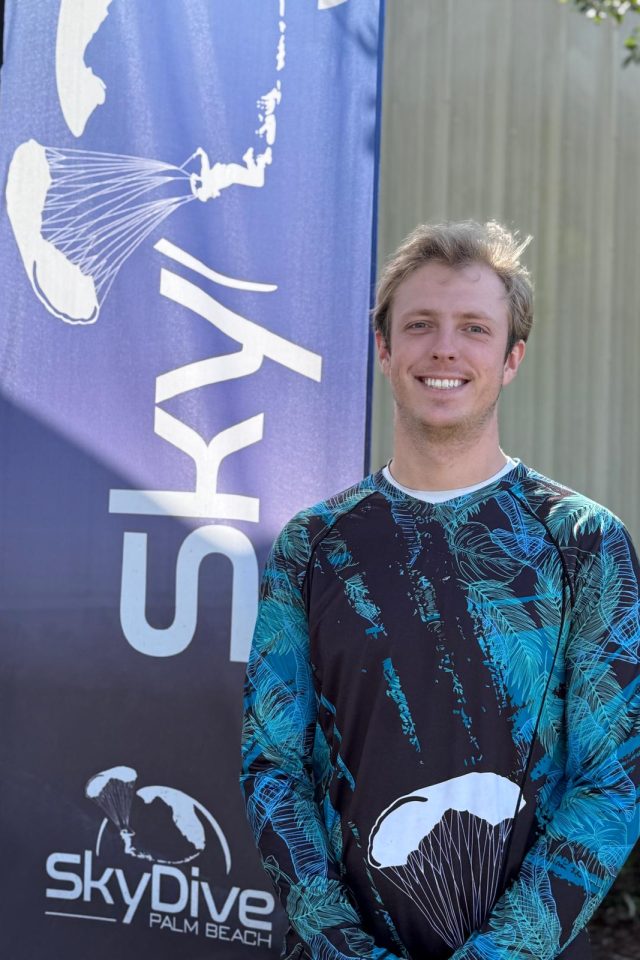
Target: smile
[{"x": 442, "y": 384}]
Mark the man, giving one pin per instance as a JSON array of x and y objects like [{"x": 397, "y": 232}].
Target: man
[{"x": 442, "y": 708}]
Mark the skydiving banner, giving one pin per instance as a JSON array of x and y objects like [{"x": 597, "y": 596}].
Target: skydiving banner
[{"x": 185, "y": 261}]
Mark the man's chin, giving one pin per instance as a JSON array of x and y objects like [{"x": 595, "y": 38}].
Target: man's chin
[
  {"x": 451, "y": 429},
  {"x": 446, "y": 432}
]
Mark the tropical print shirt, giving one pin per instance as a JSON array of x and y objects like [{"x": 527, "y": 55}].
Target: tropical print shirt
[{"x": 442, "y": 736}]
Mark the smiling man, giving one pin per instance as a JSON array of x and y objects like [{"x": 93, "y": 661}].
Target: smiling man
[{"x": 442, "y": 730}]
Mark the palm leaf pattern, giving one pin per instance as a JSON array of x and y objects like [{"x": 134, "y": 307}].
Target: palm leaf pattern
[
  {"x": 355, "y": 587},
  {"x": 317, "y": 904},
  {"x": 572, "y": 516},
  {"x": 595, "y": 821},
  {"x": 516, "y": 646},
  {"x": 549, "y": 582}
]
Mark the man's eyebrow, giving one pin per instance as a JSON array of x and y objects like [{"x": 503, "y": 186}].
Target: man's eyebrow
[
  {"x": 477, "y": 315},
  {"x": 466, "y": 315},
  {"x": 421, "y": 312}
]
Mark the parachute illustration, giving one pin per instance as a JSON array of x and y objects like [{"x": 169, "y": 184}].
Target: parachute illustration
[
  {"x": 113, "y": 791},
  {"x": 77, "y": 215},
  {"x": 444, "y": 846},
  {"x": 173, "y": 833}
]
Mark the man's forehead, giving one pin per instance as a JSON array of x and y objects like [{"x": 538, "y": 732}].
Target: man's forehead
[{"x": 436, "y": 282}]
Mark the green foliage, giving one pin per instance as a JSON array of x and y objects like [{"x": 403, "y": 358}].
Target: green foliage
[{"x": 616, "y": 10}]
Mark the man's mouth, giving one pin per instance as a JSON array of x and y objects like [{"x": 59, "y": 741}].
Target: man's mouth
[{"x": 442, "y": 383}]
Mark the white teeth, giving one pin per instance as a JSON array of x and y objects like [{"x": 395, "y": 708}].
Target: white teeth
[{"x": 442, "y": 384}]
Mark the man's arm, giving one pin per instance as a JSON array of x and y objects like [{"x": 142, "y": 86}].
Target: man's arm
[
  {"x": 573, "y": 863},
  {"x": 278, "y": 736}
]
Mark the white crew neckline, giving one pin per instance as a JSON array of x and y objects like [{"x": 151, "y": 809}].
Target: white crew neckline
[{"x": 440, "y": 496}]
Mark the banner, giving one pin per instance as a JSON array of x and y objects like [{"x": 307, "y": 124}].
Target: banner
[{"x": 185, "y": 259}]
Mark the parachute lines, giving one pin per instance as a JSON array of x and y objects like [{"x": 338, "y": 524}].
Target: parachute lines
[{"x": 97, "y": 210}]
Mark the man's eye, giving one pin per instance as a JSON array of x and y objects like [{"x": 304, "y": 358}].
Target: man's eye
[{"x": 476, "y": 328}]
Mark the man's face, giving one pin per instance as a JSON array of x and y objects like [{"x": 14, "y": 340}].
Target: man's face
[{"x": 446, "y": 358}]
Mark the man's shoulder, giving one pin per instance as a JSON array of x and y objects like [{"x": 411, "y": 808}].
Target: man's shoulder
[
  {"x": 569, "y": 514},
  {"x": 304, "y": 531},
  {"x": 324, "y": 514}
]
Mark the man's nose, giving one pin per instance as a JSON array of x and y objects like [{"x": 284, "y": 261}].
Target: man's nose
[{"x": 443, "y": 345}]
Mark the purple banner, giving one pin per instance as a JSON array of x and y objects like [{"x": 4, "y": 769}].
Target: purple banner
[{"x": 185, "y": 261}]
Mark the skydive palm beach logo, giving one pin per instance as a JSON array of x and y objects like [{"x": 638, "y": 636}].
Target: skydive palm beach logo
[
  {"x": 142, "y": 867},
  {"x": 113, "y": 791}
]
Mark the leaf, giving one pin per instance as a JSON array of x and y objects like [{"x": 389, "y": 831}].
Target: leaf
[
  {"x": 480, "y": 556},
  {"x": 317, "y": 904},
  {"x": 575, "y": 514},
  {"x": 517, "y": 645}
]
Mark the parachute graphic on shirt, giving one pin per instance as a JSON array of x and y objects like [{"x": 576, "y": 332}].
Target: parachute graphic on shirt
[
  {"x": 444, "y": 847},
  {"x": 77, "y": 215}
]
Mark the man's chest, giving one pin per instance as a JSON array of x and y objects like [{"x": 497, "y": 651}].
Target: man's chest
[{"x": 419, "y": 632}]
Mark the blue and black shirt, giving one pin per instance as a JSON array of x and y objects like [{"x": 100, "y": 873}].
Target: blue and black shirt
[{"x": 442, "y": 733}]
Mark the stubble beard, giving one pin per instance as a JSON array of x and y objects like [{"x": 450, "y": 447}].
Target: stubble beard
[{"x": 461, "y": 434}]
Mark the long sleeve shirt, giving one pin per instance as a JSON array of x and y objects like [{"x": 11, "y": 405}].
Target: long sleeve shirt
[{"x": 442, "y": 721}]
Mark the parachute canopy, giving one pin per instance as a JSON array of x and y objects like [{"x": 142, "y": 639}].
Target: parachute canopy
[
  {"x": 78, "y": 214},
  {"x": 112, "y": 790},
  {"x": 400, "y": 828},
  {"x": 444, "y": 847},
  {"x": 58, "y": 282}
]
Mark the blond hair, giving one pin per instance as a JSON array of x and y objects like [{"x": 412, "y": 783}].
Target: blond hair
[{"x": 456, "y": 245}]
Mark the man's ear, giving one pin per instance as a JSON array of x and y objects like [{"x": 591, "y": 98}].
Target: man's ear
[
  {"x": 513, "y": 360},
  {"x": 384, "y": 354}
]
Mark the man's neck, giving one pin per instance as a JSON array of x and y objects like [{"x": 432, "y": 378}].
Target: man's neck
[{"x": 447, "y": 465}]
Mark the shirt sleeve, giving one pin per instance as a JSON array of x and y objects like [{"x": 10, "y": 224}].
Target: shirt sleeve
[
  {"x": 277, "y": 777},
  {"x": 571, "y": 866}
]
